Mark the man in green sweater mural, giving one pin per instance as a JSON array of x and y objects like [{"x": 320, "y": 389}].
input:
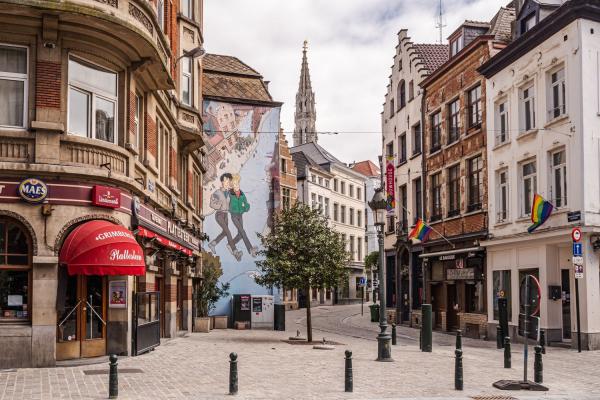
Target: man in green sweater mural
[{"x": 238, "y": 205}]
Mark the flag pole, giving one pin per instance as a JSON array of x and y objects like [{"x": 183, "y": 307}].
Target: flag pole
[{"x": 432, "y": 228}]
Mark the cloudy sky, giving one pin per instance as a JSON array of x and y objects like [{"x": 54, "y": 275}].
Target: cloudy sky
[{"x": 351, "y": 46}]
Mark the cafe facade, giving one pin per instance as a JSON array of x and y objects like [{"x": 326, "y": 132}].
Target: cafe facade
[{"x": 101, "y": 168}]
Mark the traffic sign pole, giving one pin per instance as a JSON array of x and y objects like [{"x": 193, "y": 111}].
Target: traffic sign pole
[
  {"x": 578, "y": 316},
  {"x": 578, "y": 267}
]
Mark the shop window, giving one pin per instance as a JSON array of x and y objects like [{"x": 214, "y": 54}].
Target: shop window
[
  {"x": 92, "y": 101},
  {"x": 502, "y": 290},
  {"x": 13, "y": 86},
  {"x": 15, "y": 273}
]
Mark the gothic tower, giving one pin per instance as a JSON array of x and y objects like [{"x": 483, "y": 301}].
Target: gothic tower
[{"x": 305, "y": 116}]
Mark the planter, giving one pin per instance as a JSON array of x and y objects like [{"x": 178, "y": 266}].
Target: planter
[
  {"x": 219, "y": 322},
  {"x": 202, "y": 324}
]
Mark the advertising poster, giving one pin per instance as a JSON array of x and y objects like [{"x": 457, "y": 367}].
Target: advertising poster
[
  {"x": 117, "y": 292},
  {"x": 390, "y": 185}
]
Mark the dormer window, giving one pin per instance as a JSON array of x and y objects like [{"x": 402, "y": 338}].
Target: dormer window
[
  {"x": 527, "y": 23},
  {"x": 456, "y": 45}
]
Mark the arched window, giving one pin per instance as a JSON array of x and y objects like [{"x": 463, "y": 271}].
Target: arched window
[
  {"x": 15, "y": 272},
  {"x": 401, "y": 94}
]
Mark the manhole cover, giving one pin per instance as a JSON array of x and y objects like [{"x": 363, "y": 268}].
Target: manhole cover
[
  {"x": 105, "y": 371},
  {"x": 493, "y": 397}
]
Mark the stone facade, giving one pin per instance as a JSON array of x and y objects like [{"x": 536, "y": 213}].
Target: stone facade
[{"x": 80, "y": 134}]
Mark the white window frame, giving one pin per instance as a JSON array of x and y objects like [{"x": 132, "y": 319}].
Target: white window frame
[
  {"x": 530, "y": 89},
  {"x": 562, "y": 169},
  {"x": 188, "y": 11},
  {"x": 502, "y": 194},
  {"x": 94, "y": 93},
  {"x": 502, "y": 115},
  {"x": 160, "y": 14},
  {"x": 560, "y": 85},
  {"x": 189, "y": 62},
  {"x": 313, "y": 200},
  {"x": 11, "y": 76},
  {"x": 525, "y": 209}
]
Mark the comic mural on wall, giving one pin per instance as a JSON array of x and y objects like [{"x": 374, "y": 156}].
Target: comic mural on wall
[{"x": 241, "y": 167}]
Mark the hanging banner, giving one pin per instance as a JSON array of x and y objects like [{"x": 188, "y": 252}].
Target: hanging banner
[{"x": 389, "y": 184}]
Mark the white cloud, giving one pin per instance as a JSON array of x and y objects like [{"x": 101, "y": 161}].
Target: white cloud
[{"x": 351, "y": 46}]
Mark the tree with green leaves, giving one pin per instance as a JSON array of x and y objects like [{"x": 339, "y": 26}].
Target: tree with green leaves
[
  {"x": 301, "y": 252},
  {"x": 372, "y": 260},
  {"x": 211, "y": 291}
]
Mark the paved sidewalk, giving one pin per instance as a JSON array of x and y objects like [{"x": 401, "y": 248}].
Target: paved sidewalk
[{"x": 197, "y": 368}]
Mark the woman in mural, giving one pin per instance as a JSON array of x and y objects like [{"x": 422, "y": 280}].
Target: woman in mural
[{"x": 238, "y": 205}]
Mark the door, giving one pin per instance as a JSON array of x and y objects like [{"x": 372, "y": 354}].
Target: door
[
  {"x": 179, "y": 322},
  {"x": 566, "y": 304},
  {"x": 160, "y": 287},
  {"x": 437, "y": 303},
  {"x": 452, "y": 308},
  {"x": 81, "y": 330}
]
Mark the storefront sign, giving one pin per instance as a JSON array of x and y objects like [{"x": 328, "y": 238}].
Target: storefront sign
[
  {"x": 146, "y": 217},
  {"x": 390, "y": 185},
  {"x": 104, "y": 196},
  {"x": 33, "y": 190},
  {"x": 245, "y": 303},
  {"x": 117, "y": 291},
  {"x": 462, "y": 273},
  {"x": 57, "y": 192},
  {"x": 448, "y": 257}
]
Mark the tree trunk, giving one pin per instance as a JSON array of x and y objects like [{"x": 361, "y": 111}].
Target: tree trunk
[{"x": 308, "y": 318}]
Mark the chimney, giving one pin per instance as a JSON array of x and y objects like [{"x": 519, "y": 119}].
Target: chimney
[
  {"x": 267, "y": 84},
  {"x": 514, "y": 25}
]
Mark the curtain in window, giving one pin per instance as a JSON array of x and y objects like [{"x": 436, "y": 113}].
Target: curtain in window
[{"x": 12, "y": 101}]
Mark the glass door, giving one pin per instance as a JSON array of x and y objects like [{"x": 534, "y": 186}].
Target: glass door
[
  {"x": 566, "y": 304},
  {"x": 93, "y": 316}
]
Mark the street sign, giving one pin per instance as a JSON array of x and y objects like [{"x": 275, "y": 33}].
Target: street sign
[
  {"x": 574, "y": 216},
  {"x": 577, "y": 260},
  {"x": 576, "y": 234},
  {"x": 362, "y": 282},
  {"x": 577, "y": 249},
  {"x": 578, "y": 271},
  {"x": 375, "y": 282}
]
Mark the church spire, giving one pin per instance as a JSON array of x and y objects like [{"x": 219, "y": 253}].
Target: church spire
[{"x": 305, "y": 116}]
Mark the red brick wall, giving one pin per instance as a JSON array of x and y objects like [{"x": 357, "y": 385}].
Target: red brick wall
[
  {"x": 170, "y": 293},
  {"x": 47, "y": 86},
  {"x": 151, "y": 138},
  {"x": 449, "y": 85}
]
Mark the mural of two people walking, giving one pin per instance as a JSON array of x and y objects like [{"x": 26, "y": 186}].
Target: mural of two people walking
[
  {"x": 242, "y": 162},
  {"x": 230, "y": 202}
]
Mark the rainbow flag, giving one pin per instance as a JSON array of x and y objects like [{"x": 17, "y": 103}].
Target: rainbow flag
[
  {"x": 420, "y": 232},
  {"x": 540, "y": 212}
]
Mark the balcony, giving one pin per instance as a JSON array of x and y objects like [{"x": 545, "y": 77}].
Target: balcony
[{"x": 128, "y": 28}]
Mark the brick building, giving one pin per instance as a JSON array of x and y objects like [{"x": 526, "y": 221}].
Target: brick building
[
  {"x": 101, "y": 169},
  {"x": 455, "y": 170}
]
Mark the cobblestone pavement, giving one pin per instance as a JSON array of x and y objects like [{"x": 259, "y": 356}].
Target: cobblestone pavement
[{"x": 197, "y": 367}]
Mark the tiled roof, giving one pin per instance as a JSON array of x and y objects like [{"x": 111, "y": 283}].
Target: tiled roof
[
  {"x": 227, "y": 64},
  {"x": 433, "y": 55},
  {"x": 367, "y": 168},
  {"x": 477, "y": 24},
  {"x": 501, "y": 24},
  {"x": 301, "y": 160},
  {"x": 228, "y": 77}
]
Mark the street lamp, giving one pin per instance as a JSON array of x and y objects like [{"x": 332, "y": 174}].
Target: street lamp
[
  {"x": 195, "y": 52},
  {"x": 379, "y": 205}
]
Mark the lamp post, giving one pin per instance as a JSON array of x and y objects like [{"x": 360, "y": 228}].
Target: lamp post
[{"x": 379, "y": 204}]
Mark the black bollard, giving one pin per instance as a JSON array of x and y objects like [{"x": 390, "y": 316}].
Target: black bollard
[
  {"x": 348, "y": 381},
  {"x": 538, "y": 367},
  {"x": 394, "y": 339},
  {"x": 426, "y": 328},
  {"x": 113, "y": 378},
  {"x": 233, "y": 374},
  {"x": 458, "y": 370},
  {"x": 459, "y": 339},
  {"x": 507, "y": 352},
  {"x": 498, "y": 337},
  {"x": 543, "y": 340}
]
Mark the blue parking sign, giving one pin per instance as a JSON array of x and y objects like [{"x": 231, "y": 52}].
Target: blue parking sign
[{"x": 577, "y": 249}]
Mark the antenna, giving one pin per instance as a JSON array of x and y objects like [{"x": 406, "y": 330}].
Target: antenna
[{"x": 440, "y": 23}]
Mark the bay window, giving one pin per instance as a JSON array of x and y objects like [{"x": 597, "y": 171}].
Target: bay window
[
  {"x": 187, "y": 8},
  {"x": 92, "y": 101},
  {"x": 186, "y": 80},
  {"x": 13, "y": 86}
]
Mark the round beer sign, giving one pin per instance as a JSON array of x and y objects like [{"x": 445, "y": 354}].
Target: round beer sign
[{"x": 33, "y": 190}]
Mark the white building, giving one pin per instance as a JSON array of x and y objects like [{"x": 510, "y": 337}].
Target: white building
[
  {"x": 543, "y": 113},
  {"x": 402, "y": 128},
  {"x": 324, "y": 182}
]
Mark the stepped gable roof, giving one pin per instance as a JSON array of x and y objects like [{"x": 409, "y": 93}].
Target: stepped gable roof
[
  {"x": 228, "y": 78},
  {"x": 367, "y": 168},
  {"x": 433, "y": 55}
]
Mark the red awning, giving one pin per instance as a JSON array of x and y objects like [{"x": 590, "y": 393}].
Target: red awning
[
  {"x": 102, "y": 248},
  {"x": 143, "y": 232}
]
